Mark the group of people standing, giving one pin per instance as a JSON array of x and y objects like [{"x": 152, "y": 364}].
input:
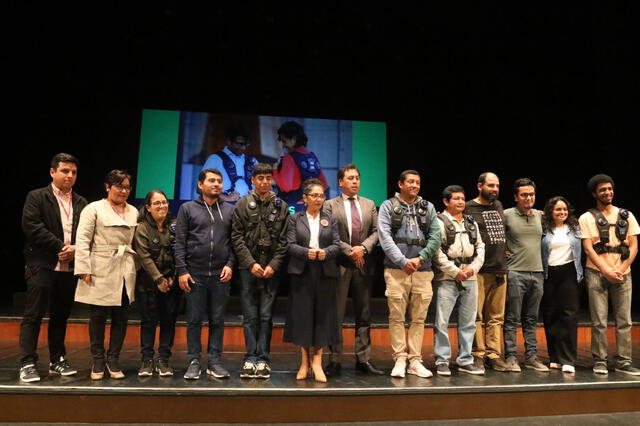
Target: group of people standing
[{"x": 500, "y": 267}]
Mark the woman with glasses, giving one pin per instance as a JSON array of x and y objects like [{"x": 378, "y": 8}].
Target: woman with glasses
[
  {"x": 106, "y": 268},
  {"x": 157, "y": 293},
  {"x": 312, "y": 320},
  {"x": 561, "y": 257}
]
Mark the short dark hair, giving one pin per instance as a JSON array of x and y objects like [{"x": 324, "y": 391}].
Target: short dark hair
[
  {"x": 483, "y": 177},
  {"x": 292, "y": 129},
  {"x": 599, "y": 179},
  {"x": 235, "y": 130},
  {"x": 342, "y": 170},
  {"x": 310, "y": 183},
  {"x": 262, "y": 169},
  {"x": 203, "y": 174},
  {"x": 63, "y": 157},
  {"x": 522, "y": 182},
  {"x": 143, "y": 213},
  {"x": 115, "y": 177},
  {"x": 446, "y": 193},
  {"x": 404, "y": 174}
]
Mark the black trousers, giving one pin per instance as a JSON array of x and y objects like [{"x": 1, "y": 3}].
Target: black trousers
[
  {"x": 47, "y": 291},
  {"x": 361, "y": 296},
  {"x": 559, "y": 307},
  {"x": 97, "y": 324}
]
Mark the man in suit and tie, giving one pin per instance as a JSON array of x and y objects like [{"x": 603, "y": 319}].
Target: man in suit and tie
[{"x": 357, "y": 224}]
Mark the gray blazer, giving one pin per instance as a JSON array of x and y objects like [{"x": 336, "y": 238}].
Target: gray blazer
[
  {"x": 298, "y": 235},
  {"x": 368, "y": 230}
]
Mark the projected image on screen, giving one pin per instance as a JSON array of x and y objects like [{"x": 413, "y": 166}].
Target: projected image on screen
[
  {"x": 175, "y": 146},
  {"x": 298, "y": 149}
]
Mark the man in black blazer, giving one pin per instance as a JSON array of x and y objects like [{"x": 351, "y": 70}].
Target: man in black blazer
[
  {"x": 49, "y": 221},
  {"x": 354, "y": 213}
]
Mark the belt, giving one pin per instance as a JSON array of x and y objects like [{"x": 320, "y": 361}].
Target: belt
[
  {"x": 119, "y": 249},
  {"x": 411, "y": 241}
]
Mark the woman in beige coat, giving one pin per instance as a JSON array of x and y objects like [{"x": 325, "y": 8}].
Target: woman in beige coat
[{"x": 106, "y": 265}]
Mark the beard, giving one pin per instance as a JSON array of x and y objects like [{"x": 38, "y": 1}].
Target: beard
[{"x": 488, "y": 195}]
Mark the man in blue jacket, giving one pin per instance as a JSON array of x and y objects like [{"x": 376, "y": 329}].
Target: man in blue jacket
[
  {"x": 409, "y": 234},
  {"x": 204, "y": 262}
]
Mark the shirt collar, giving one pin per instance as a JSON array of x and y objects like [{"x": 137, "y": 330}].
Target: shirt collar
[
  {"x": 346, "y": 197},
  {"x": 231, "y": 154},
  {"x": 58, "y": 192}
]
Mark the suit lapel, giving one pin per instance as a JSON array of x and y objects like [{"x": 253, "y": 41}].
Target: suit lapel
[
  {"x": 54, "y": 204},
  {"x": 366, "y": 218}
]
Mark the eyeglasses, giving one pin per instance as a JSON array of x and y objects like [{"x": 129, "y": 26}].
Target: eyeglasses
[
  {"x": 123, "y": 188},
  {"x": 160, "y": 203},
  {"x": 315, "y": 196}
]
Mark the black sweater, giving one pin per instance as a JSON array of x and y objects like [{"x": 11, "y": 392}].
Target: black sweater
[{"x": 203, "y": 245}]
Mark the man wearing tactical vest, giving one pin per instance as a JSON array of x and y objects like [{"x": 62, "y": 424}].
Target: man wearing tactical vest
[
  {"x": 409, "y": 234},
  {"x": 456, "y": 264},
  {"x": 236, "y": 166},
  {"x": 609, "y": 238},
  {"x": 258, "y": 236}
]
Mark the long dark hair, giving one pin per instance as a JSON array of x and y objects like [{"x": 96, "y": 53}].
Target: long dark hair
[
  {"x": 145, "y": 215},
  {"x": 547, "y": 220}
]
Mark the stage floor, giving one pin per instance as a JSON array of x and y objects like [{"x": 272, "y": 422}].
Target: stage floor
[{"x": 282, "y": 382}]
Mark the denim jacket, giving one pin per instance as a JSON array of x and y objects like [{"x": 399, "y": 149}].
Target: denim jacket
[{"x": 576, "y": 249}]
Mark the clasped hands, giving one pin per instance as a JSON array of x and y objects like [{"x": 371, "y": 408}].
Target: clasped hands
[
  {"x": 67, "y": 253},
  {"x": 260, "y": 272},
  {"x": 316, "y": 254}
]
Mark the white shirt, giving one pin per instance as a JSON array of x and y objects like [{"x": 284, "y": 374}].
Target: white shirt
[
  {"x": 347, "y": 210},
  {"x": 314, "y": 228},
  {"x": 65, "y": 205},
  {"x": 560, "y": 252}
]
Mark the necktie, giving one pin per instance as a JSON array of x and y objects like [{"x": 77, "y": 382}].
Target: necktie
[{"x": 355, "y": 223}]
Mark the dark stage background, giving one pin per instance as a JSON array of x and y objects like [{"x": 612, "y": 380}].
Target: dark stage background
[{"x": 548, "y": 92}]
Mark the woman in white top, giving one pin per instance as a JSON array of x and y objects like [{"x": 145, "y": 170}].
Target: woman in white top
[
  {"x": 561, "y": 259},
  {"x": 106, "y": 267}
]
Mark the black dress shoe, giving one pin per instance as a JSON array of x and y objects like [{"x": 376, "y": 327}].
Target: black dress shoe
[
  {"x": 368, "y": 367},
  {"x": 333, "y": 369}
]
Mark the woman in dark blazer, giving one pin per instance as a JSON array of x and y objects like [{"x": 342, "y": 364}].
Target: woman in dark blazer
[{"x": 312, "y": 320}]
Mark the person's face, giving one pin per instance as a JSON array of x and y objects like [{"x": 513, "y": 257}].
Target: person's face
[
  {"x": 526, "y": 197},
  {"x": 158, "y": 207},
  {"x": 456, "y": 204},
  {"x": 287, "y": 143},
  {"x": 119, "y": 192},
  {"x": 262, "y": 183},
  {"x": 560, "y": 212},
  {"x": 410, "y": 186},
  {"x": 211, "y": 187},
  {"x": 350, "y": 183},
  {"x": 64, "y": 177},
  {"x": 490, "y": 189},
  {"x": 314, "y": 198},
  {"x": 604, "y": 193},
  {"x": 238, "y": 145}
]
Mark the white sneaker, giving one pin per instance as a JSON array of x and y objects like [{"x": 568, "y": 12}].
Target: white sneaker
[
  {"x": 399, "y": 368},
  {"x": 555, "y": 366},
  {"x": 566, "y": 368},
  {"x": 417, "y": 369}
]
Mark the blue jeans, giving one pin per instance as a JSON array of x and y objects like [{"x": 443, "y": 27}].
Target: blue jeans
[
  {"x": 447, "y": 294},
  {"x": 157, "y": 308},
  {"x": 258, "y": 296},
  {"x": 524, "y": 293},
  {"x": 207, "y": 299}
]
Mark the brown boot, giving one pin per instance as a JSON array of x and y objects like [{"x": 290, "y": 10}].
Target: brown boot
[{"x": 498, "y": 364}]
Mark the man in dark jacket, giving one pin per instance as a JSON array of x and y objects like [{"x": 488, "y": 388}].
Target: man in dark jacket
[
  {"x": 49, "y": 222},
  {"x": 204, "y": 262},
  {"x": 258, "y": 236}
]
